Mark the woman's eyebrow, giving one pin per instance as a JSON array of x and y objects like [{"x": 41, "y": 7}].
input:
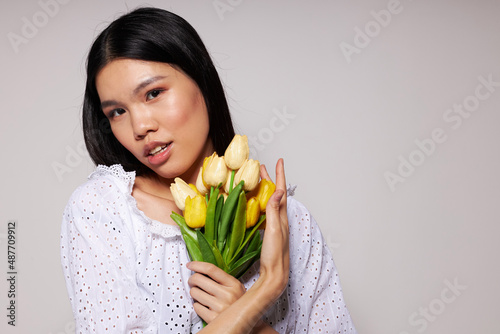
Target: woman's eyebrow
[
  {"x": 147, "y": 82},
  {"x": 108, "y": 103},
  {"x": 137, "y": 89}
]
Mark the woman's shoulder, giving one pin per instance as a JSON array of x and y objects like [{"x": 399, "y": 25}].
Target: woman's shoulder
[
  {"x": 114, "y": 174},
  {"x": 304, "y": 230},
  {"x": 296, "y": 210},
  {"x": 104, "y": 184}
]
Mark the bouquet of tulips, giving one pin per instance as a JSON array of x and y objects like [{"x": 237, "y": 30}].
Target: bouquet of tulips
[{"x": 224, "y": 210}]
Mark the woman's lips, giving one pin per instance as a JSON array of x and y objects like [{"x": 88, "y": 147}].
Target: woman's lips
[
  {"x": 159, "y": 154},
  {"x": 157, "y": 149},
  {"x": 153, "y": 145}
]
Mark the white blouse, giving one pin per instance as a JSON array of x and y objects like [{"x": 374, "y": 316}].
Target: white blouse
[{"x": 126, "y": 273}]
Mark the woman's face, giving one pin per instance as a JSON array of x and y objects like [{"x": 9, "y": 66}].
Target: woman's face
[{"x": 157, "y": 113}]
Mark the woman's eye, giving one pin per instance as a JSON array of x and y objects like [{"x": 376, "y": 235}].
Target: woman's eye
[
  {"x": 116, "y": 112},
  {"x": 153, "y": 94}
]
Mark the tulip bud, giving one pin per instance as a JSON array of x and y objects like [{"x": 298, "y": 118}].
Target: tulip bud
[
  {"x": 214, "y": 171},
  {"x": 250, "y": 173},
  {"x": 196, "y": 211},
  {"x": 237, "y": 152},
  {"x": 180, "y": 191},
  {"x": 200, "y": 186},
  {"x": 266, "y": 189},
  {"x": 253, "y": 212}
]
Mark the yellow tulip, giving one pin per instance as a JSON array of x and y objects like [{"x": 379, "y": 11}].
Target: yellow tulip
[
  {"x": 253, "y": 211},
  {"x": 180, "y": 191},
  {"x": 266, "y": 189},
  {"x": 199, "y": 183},
  {"x": 192, "y": 186},
  {"x": 237, "y": 152},
  {"x": 250, "y": 173},
  {"x": 196, "y": 211},
  {"x": 214, "y": 171}
]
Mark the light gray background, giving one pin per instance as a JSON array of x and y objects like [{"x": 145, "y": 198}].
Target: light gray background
[{"x": 349, "y": 122}]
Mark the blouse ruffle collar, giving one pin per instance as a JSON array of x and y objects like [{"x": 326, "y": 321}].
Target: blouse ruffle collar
[{"x": 127, "y": 180}]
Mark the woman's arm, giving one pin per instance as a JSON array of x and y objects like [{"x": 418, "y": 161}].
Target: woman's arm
[
  {"x": 215, "y": 290},
  {"x": 244, "y": 315}
]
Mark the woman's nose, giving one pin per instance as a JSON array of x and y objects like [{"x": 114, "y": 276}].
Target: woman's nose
[{"x": 143, "y": 122}]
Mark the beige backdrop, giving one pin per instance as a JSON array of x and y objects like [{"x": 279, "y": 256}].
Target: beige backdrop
[{"x": 386, "y": 112}]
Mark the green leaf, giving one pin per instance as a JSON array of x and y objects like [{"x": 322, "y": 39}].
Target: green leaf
[
  {"x": 210, "y": 219},
  {"x": 227, "y": 215},
  {"x": 205, "y": 248},
  {"x": 225, "y": 253},
  {"x": 192, "y": 247},
  {"x": 218, "y": 257},
  {"x": 179, "y": 220},
  {"x": 239, "y": 225},
  {"x": 242, "y": 265},
  {"x": 248, "y": 236},
  {"x": 254, "y": 244}
]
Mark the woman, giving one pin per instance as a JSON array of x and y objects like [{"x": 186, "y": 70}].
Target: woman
[{"x": 152, "y": 82}]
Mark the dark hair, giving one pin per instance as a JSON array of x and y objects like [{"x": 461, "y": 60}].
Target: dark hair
[{"x": 151, "y": 34}]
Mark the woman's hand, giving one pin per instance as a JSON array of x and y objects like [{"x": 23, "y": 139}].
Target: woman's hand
[
  {"x": 274, "y": 258},
  {"x": 212, "y": 289}
]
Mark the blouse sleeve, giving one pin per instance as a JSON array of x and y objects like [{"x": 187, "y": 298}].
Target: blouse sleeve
[
  {"x": 97, "y": 255},
  {"x": 314, "y": 286}
]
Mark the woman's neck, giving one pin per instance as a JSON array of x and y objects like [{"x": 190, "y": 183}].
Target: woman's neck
[{"x": 153, "y": 185}]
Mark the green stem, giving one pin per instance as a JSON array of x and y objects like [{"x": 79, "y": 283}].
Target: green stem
[{"x": 231, "y": 182}]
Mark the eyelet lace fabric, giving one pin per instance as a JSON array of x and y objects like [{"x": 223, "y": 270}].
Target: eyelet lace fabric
[{"x": 126, "y": 273}]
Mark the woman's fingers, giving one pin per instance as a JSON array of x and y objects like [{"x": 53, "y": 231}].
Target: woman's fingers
[
  {"x": 214, "y": 272},
  {"x": 281, "y": 184},
  {"x": 280, "y": 175},
  {"x": 274, "y": 260},
  {"x": 276, "y": 206},
  {"x": 204, "y": 312},
  {"x": 213, "y": 289},
  {"x": 203, "y": 297},
  {"x": 263, "y": 173}
]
